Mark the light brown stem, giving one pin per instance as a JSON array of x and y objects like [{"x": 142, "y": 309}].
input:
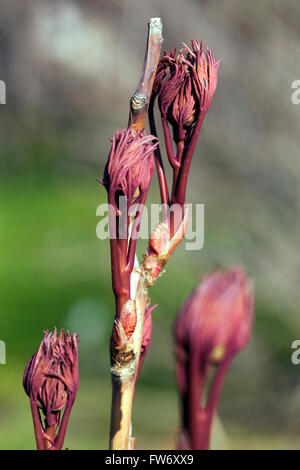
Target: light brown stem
[
  {"x": 140, "y": 100},
  {"x": 122, "y": 399},
  {"x": 124, "y": 373}
]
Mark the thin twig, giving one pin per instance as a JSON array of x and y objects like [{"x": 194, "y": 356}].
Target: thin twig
[{"x": 140, "y": 100}]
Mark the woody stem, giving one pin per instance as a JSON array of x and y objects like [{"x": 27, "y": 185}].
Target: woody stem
[
  {"x": 122, "y": 398},
  {"x": 140, "y": 100},
  {"x": 124, "y": 377},
  {"x": 125, "y": 359}
]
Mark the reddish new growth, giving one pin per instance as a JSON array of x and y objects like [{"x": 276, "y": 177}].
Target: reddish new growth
[
  {"x": 213, "y": 325},
  {"x": 184, "y": 85},
  {"x": 217, "y": 316},
  {"x": 130, "y": 166},
  {"x": 160, "y": 248},
  {"x": 127, "y": 174},
  {"x": 146, "y": 334},
  {"x": 51, "y": 382}
]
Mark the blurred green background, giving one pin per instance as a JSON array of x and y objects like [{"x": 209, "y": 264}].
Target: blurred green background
[{"x": 70, "y": 68}]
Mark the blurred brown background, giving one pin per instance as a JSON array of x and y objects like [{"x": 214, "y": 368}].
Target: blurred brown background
[{"x": 70, "y": 68}]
